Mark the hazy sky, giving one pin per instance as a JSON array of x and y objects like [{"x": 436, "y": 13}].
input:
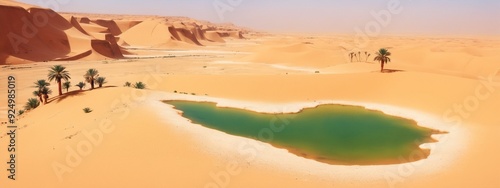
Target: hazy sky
[{"x": 454, "y": 17}]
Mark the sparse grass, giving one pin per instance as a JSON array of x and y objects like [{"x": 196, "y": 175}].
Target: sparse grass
[
  {"x": 193, "y": 93},
  {"x": 87, "y": 110},
  {"x": 175, "y": 91},
  {"x": 20, "y": 112},
  {"x": 317, "y": 72}
]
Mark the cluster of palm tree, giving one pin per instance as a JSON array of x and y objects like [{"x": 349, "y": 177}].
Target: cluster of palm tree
[
  {"x": 382, "y": 56},
  {"x": 42, "y": 91},
  {"x": 358, "y": 56},
  {"x": 58, "y": 73}
]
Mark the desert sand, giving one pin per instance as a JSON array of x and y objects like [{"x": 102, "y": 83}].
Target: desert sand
[{"x": 131, "y": 139}]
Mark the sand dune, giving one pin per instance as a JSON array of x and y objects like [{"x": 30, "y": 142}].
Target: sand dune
[
  {"x": 36, "y": 34},
  {"x": 171, "y": 144},
  {"x": 296, "y": 54},
  {"x": 77, "y": 25},
  {"x": 21, "y": 39},
  {"x": 213, "y": 36},
  {"x": 78, "y": 37},
  {"x": 168, "y": 33}
]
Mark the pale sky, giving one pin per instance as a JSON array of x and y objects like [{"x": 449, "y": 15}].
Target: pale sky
[{"x": 444, "y": 17}]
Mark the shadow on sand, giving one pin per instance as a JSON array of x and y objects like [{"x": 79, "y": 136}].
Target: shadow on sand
[
  {"x": 58, "y": 99},
  {"x": 391, "y": 71}
]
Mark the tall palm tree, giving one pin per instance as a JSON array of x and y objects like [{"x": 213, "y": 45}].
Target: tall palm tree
[
  {"x": 356, "y": 56},
  {"x": 367, "y": 56},
  {"x": 81, "y": 85},
  {"x": 91, "y": 76},
  {"x": 359, "y": 55},
  {"x": 32, "y": 104},
  {"x": 383, "y": 56},
  {"x": 66, "y": 86},
  {"x": 351, "y": 55},
  {"x": 100, "y": 81},
  {"x": 40, "y": 84},
  {"x": 58, "y": 73},
  {"x": 46, "y": 92}
]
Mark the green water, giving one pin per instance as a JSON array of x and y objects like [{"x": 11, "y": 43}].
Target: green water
[{"x": 334, "y": 134}]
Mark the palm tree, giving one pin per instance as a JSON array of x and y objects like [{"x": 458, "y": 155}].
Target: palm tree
[
  {"x": 66, "y": 86},
  {"x": 81, "y": 85},
  {"x": 356, "y": 57},
  {"x": 37, "y": 93},
  {"x": 90, "y": 77},
  {"x": 46, "y": 92},
  {"x": 351, "y": 55},
  {"x": 100, "y": 81},
  {"x": 58, "y": 73},
  {"x": 40, "y": 84},
  {"x": 367, "y": 56},
  {"x": 32, "y": 104},
  {"x": 383, "y": 56},
  {"x": 359, "y": 55}
]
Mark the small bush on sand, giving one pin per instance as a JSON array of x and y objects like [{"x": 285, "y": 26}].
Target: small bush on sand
[
  {"x": 127, "y": 84},
  {"x": 87, "y": 110},
  {"x": 139, "y": 85}
]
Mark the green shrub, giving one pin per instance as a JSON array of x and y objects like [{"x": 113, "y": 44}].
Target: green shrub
[
  {"x": 139, "y": 85},
  {"x": 32, "y": 104}
]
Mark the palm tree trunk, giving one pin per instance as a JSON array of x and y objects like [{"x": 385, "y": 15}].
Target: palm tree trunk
[
  {"x": 91, "y": 84},
  {"x": 45, "y": 97},
  {"x": 382, "y": 66},
  {"x": 40, "y": 96},
  {"x": 60, "y": 88}
]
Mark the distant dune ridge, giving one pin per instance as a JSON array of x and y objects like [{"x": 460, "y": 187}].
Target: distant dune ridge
[{"x": 34, "y": 34}]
